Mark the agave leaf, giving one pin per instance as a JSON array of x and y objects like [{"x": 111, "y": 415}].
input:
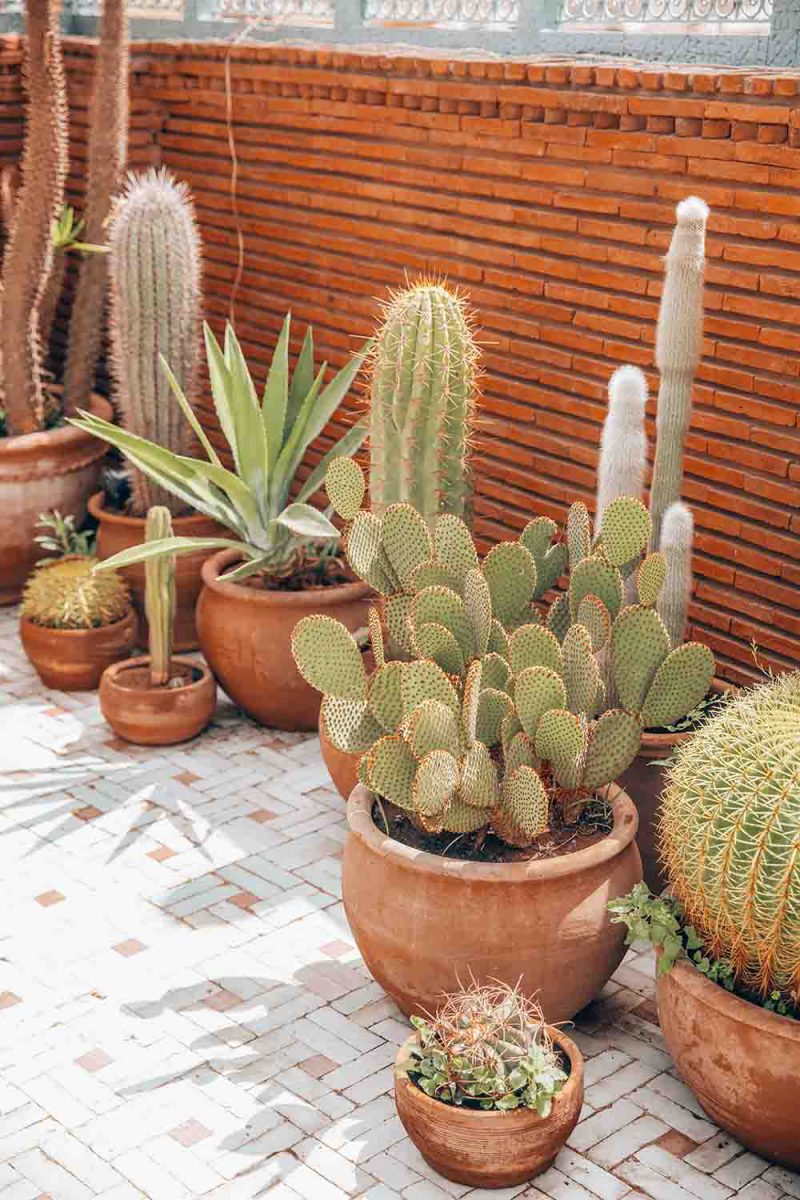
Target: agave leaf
[
  {"x": 188, "y": 412},
  {"x": 170, "y": 545},
  {"x": 219, "y": 378},
  {"x": 275, "y": 400},
  {"x": 305, "y": 521},
  {"x": 301, "y": 381},
  {"x": 253, "y": 454}
]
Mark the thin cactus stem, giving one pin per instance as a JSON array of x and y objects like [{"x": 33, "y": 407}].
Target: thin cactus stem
[
  {"x": 677, "y": 530},
  {"x": 623, "y": 445},
  {"x": 159, "y": 597}
]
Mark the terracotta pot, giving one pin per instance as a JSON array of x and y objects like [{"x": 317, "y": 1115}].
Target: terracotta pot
[
  {"x": 488, "y": 1149},
  {"x": 156, "y": 716},
  {"x": 117, "y": 531},
  {"x": 342, "y": 767},
  {"x": 73, "y": 660},
  {"x": 742, "y": 1062},
  {"x": 245, "y": 634},
  {"x": 423, "y": 923},
  {"x": 39, "y": 471}
]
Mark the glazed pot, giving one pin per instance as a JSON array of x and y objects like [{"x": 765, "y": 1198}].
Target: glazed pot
[
  {"x": 742, "y": 1062},
  {"x": 488, "y": 1149},
  {"x": 424, "y": 923},
  {"x": 118, "y": 531},
  {"x": 245, "y": 635},
  {"x": 73, "y": 660},
  {"x": 40, "y": 471},
  {"x": 157, "y": 716}
]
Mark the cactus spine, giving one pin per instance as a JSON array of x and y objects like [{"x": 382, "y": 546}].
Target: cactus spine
[
  {"x": 422, "y": 401},
  {"x": 623, "y": 446},
  {"x": 679, "y": 338},
  {"x": 728, "y": 834},
  {"x": 159, "y": 598},
  {"x": 29, "y": 252},
  {"x": 108, "y": 148},
  {"x": 677, "y": 530},
  {"x": 155, "y": 293}
]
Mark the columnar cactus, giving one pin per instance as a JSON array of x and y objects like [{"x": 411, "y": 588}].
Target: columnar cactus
[
  {"x": 422, "y": 400},
  {"x": 108, "y": 148},
  {"x": 623, "y": 446},
  {"x": 159, "y": 597},
  {"x": 728, "y": 834},
  {"x": 28, "y": 255},
  {"x": 677, "y": 531},
  {"x": 155, "y": 297}
]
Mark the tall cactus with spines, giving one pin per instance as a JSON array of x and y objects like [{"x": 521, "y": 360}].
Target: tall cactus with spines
[
  {"x": 679, "y": 339},
  {"x": 421, "y": 403},
  {"x": 155, "y": 299},
  {"x": 677, "y": 531},
  {"x": 728, "y": 835},
  {"x": 623, "y": 445},
  {"x": 28, "y": 257},
  {"x": 159, "y": 597},
  {"x": 108, "y": 149}
]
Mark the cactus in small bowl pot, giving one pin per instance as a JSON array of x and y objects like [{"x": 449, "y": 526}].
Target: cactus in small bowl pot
[
  {"x": 158, "y": 699},
  {"x": 74, "y": 623}
]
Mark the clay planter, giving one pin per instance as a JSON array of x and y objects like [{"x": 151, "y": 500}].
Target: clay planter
[
  {"x": 73, "y": 660},
  {"x": 742, "y": 1062},
  {"x": 423, "y": 923},
  {"x": 39, "y": 471},
  {"x": 157, "y": 716},
  {"x": 245, "y": 635},
  {"x": 488, "y": 1149},
  {"x": 342, "y": 767},
  {"x": 116, "y": 531}
]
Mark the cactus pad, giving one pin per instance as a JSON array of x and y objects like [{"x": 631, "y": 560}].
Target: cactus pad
[
  {"x": 469, "y": 707},
  {"x": 650, "y": 580},
  {"x": 396, "y": 611},
  {"x": 594, "y": 577},
  {"x": 349, "y": 724},
  {"x": 625, "y": 530},
  {"x": 406, "y": 541},
  {"x": 346, "y": 487},
  {"x": 579, "y": 534},
  {"x": 385, "y": 695},
  {"x": 613, "y": 744},
  {"x": 559, "y": 617},
  {"x": 561, "y": 741},
  {"x": 453, "y": 545},
  {"x": 594, "y": 616},
  {"x": 536, "y": 690},
  {"x": 432, "y": 726},
  {"x": 437, "y": 642},
  {"x": 523, "y": 811},
  {"x": 495, "y": 672},
  {"x": 433, "y": 574},
  {"x": 376, "y": 636},
  {"x": 537, "y": 536},
  {"x": 391, "y": 768},
  {"x": 479, "y": 786},
  {"x": 551, "y": 560},
  {"x": 363, "y": 548},
  {"x": 639, "y": 644},
  {"x": 478, "y": 607},
  {"x": 510, "y": 726},
  {"x": 434, "y": 786},
  {"x": 440, "y": 606},
  {"x": 680, "y": 683},
  {"x": 498, "y": 639},
  {"x": 492, "y": 707},
  {"x": 464, "y": 818},
  {"x": 510, "y": 572},
  {"x": 328, "y": 658},
  {"x": 423, "y": 680},
  {"x": 520, "y": 753},
  {"x": 581, "y": 673},
  {"x": 533, "y": 646}
]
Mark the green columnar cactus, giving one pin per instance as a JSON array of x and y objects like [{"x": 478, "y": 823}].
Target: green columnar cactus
[
  {"x": 68, "y": 594},
  {"x": 155, "y": 297},
  {"x": 679, "y": 338},
  {"x": 728, "y": 835},
  {"x": 108, "y": 148},
  {"x": 28, "y": 255},
  {"x": 422, "y": 401},
  {"x": 677, "y": 531},
  {"x": 623, "y": 445},
  {"x": 159, "y": 597}
]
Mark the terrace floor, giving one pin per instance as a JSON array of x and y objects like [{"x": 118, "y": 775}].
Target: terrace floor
[{"x": 184, "y": 1013}]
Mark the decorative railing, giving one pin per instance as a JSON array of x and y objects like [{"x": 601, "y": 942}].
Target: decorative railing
[
  {"x": 686, "y": 12},
  {"x": 503, "y": 14}
]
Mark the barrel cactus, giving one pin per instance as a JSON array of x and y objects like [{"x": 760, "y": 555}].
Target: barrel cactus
[
  {"x": 728, "y": 834},
  {"x": 159, "y": 597},
  {"x": 67, "y": 593},
  {"x": 421, "y": 403}
]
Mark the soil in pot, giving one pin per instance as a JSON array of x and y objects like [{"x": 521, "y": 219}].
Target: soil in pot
[
  {"x": 73, "y": 660},
  {"x": 423, "y": 922},
  {"x": 245, "y": 634},
  {"x": 489, "y": 1149},
  {"x": 158, "y": 716}
]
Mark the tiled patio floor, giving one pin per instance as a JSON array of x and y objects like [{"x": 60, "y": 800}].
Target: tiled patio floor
[{"x": 184, "y": 1013}]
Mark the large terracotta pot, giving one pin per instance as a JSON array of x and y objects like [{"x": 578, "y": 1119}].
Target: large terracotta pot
[
  {"x": 423, "y": 923},
  {"x": 40, "y": 471},
  {"x": 488, "y": 1149},
  {"x": 245, "y": 635},
  {"x": 742, "y": 1062},
  {"x": 117, "y": 531},
  {"x": 342, "y": 767},
  {"x": 73, "y": 660},
  {"x": 156, "y": 716}
]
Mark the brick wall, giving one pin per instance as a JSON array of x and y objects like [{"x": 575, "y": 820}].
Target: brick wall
[{"x": 548, "y": 192}]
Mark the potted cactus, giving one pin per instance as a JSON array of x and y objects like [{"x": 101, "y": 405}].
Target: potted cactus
[
  {"x": 158, "y": 699},
  {"x": 485, "y": 734},
  {"x": 486, "y": 1090},
  {"x": 74, "y": 623},
  {"x": 728, "y": 935}
]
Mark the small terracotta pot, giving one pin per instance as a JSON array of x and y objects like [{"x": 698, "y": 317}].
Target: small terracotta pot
[
  {"x": 245, "y": 635},
  {"x": 488, "y": 1149},
  {"x": 423, "y": 923},
  {"x": 156, "y": 716},
  {"x": 39, "y": 471},
  {"x": 73, "y": 660},
  {"x": 742, "y": 1062},
  {"x": 117, "y": 531}
]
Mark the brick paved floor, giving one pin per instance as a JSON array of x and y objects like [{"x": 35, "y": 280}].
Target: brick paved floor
[{"x": 184, "y": 1013}]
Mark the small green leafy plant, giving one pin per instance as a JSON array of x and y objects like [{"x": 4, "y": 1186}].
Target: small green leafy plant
[
  {"x": 487, "y": 1047},
  {"x": 60, "y": 536}
]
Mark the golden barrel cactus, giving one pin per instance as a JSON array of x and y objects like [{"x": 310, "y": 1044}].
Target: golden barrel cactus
[{"x": 69, "y": 594}]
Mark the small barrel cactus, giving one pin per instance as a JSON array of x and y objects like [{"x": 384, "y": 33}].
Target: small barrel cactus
[
  {"x": 159, "y": 597},
  {"x": 422, "y": 401},
  {"x": 68, "y": 594},
  {"x": 729, "y": 835}
]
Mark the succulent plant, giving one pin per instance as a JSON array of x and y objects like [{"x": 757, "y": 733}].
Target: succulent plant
[
  {"x": 60, "y": 536},
  {"x": 623, "y": 446},
  {"x": 487, "y": 1048},
  {"x": 728, "y": 835},
  {"x": 68, "y": 594},
  {"x": 159, "y": 597},
  {"x": 422, "y": 399},
  {"x": 677, "y": 531}
]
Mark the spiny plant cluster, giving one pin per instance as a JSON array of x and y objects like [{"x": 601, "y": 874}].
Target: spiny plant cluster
[
  {"x": 487, "y": 1047},
  {"x": 478, "y": 712},
  {"x": 68, "y": 594}
]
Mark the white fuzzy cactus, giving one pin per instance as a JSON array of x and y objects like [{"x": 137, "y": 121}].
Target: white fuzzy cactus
[
  {"x": 677, "y": 531},
  {"x": 623, "y": 446}
]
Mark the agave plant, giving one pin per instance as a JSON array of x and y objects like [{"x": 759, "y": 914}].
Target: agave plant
[{"x": 268, "y": 439}]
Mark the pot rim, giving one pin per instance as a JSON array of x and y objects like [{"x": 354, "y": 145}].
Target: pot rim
[
  {"x": 312, "y": 598},
  {"x": 654, "y": 744},
  {"x": 128, "y": 619},
  {"x": 141, "y": 660},
  {"x": 522, "y": 1115},
  {"x": 626, "y": 823},
  {"x": 26, "y": 446},
  {"x": 728, "y": 1005},
  {"x": 97, "y": 507}
]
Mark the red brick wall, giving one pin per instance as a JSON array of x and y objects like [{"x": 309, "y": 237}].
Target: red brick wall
[{"x": 548, "y": 192}]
